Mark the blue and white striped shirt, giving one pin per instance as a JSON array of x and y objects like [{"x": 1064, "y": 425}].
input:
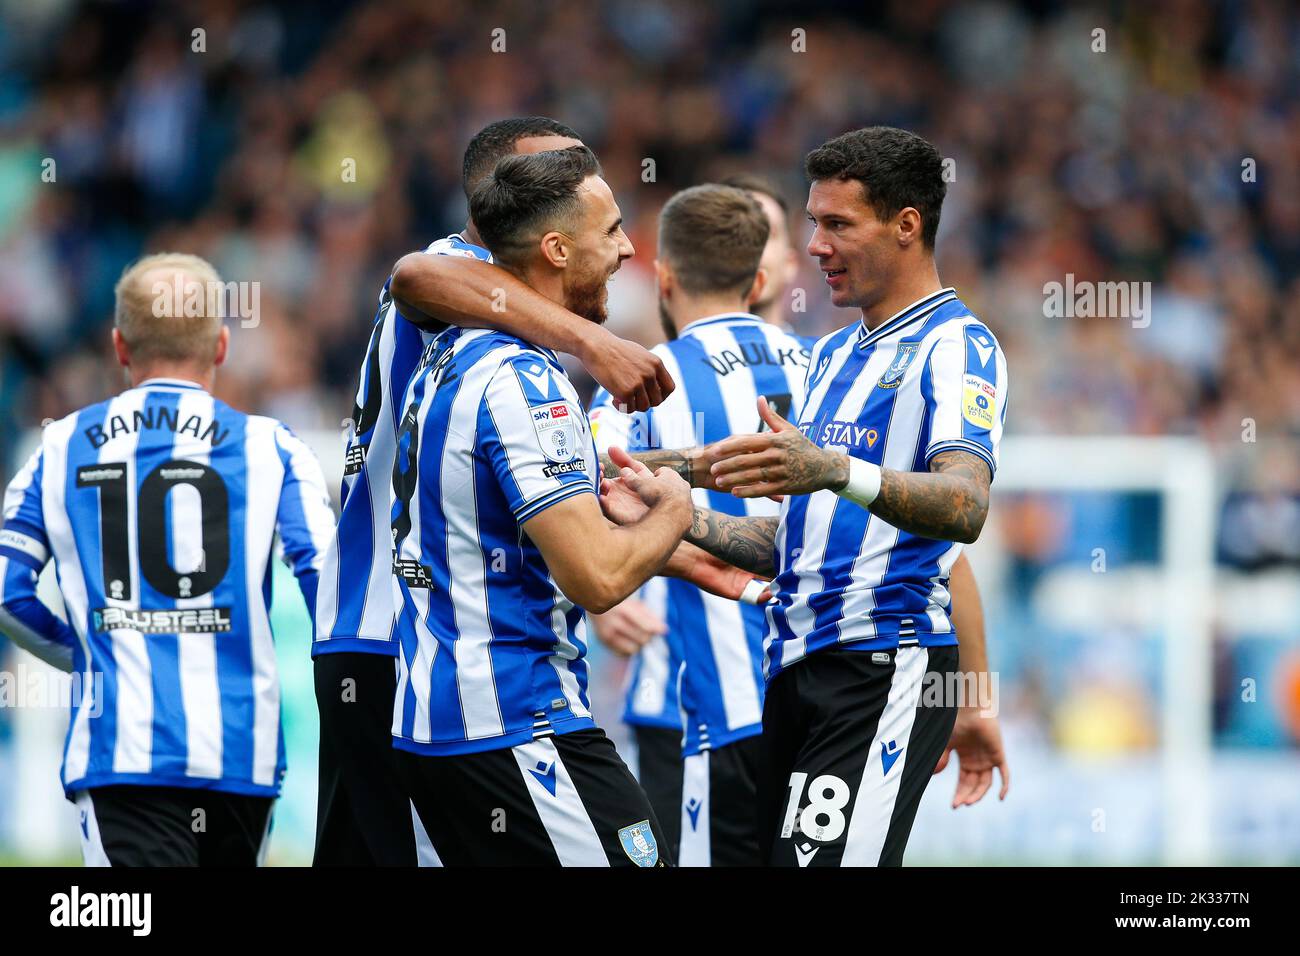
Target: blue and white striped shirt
[
  {"x": 721, "y": 365},
  {"x": 931, "y": 379},
  {"x": 356, "y": 611},
  {"x": 650, "y": 689},
  {"x": 492, "y": 652},
  {"x": 160, "y": 508}
]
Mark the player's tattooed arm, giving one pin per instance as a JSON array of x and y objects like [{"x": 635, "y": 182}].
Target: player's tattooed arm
[
  {"x": 948, "y": 503},
  {"x": 684, "y": 461},
  {"x": 744, "y": 542},
  {"x": 433, "y": 291}
]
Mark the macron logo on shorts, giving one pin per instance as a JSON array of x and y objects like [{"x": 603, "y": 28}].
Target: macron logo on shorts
[
  {"x": 693, "y": 809},
  {"x": 889, "y": 754},
  {"x": 545, "y": 772}
]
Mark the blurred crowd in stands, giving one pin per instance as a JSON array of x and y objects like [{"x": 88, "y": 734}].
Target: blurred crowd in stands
[{"x": 1150, "y": 142}]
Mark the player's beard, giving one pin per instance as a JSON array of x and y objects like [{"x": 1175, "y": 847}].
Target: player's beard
[
  {"x": 666, "y": 320},
  {"x": 588, "y": 299}
]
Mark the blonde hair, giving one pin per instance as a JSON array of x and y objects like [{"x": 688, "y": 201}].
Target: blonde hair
[{"x": 178, "y": 315}]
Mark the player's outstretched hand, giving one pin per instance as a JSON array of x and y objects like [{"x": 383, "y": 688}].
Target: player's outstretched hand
[
  {"x": 628, "y": 627},
  {"x": 650, "y": 487},
  {"x": 634, "y": 376},
  {"x": 780, "y": 462},
  {"x": 978, "y": 743}
]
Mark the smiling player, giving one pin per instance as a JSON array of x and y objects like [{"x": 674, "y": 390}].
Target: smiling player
[
  {"x": 500, "y": 544},
  {"x": 886, "y": 475}
]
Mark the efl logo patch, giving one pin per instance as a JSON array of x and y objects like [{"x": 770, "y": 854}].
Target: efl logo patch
[
  {"x": 639, "y": 843},
  {"x": 903, "y": 358},
  {"x": 556, "y": 431},
  {"x": 978, "y": 401}
]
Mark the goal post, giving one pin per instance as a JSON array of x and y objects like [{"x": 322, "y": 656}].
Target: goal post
[{"x": 1181, "y": 471}]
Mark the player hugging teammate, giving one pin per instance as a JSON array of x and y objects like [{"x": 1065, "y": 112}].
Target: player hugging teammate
[
  {"x": 484, "y": 515},
  {"x": 885, "y": 475}
]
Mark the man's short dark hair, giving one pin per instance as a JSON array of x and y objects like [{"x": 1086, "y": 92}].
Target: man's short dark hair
[
  {"x": 527, "y": 196},
  {"x": 896, "y": 169},
  {"x": 713, "y": 237},
  {"x": 497, "y": 140},
  {"x": 754, "y": 183}
]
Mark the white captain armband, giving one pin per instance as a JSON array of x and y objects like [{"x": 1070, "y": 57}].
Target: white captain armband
[{"x": 24, "y": 544}]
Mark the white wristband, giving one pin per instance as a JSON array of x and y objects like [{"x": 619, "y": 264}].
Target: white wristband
[
  {"x": 752, "y": 592},
  {"x": 863, "y": 484}
]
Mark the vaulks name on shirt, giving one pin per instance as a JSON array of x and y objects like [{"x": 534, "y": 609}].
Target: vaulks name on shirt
[
  {"x": 757, "y": 353},
  {"x": 156, "y": 418}
]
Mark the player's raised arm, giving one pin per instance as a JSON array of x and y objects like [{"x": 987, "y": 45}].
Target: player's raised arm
[
  {"x": 24, "y": 551},
  {"x": 433, "y": 290},
  {"x": 430, "y": 289}
]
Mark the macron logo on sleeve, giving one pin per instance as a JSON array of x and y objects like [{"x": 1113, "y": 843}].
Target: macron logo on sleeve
[
  {"x": 539, "y": 384},
  {"x": 540, "y": 378},
  {"x": 979, "y": 340}
]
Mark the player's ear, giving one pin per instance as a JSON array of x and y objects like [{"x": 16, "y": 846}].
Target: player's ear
[
  {"x": 555, "y": 249},
  {"x": 761, "y": 279},
  {"x": 664, "y": 278},
  {"x": 121, "y": 349},
  {"x": 907, "y": 225},
  {"x": 223, "y": 345}
]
